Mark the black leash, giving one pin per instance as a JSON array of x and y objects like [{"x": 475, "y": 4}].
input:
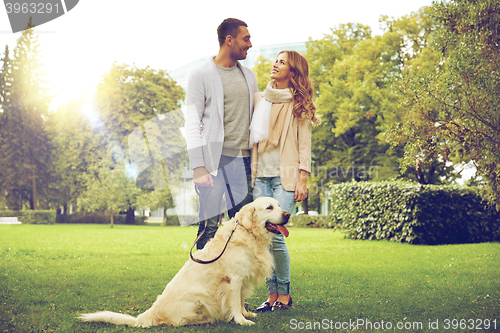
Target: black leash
[
  {"x": 204, "y": 201},
  {"x": 228, "y": 188},
  {"x": 220, "y": 255}
]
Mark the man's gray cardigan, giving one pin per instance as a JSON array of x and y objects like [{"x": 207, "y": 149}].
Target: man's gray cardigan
[{"x": 205, "y": 114}]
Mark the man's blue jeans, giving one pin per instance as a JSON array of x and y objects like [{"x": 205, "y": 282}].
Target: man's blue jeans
[
  {"x": 271, "y": 187},
  {"x": 234, "y": 181}
]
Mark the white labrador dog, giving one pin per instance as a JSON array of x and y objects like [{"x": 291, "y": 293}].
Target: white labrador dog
[{"x": 216, "y": 292}]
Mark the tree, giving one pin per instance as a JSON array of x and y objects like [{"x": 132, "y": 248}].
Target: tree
[
  {"x": 453, "y": 108},
  {"x": 140, "y": 108},
  {"x": 78, "y": 145},
  {"x": 157, "y": 199},
  {"x": 262, "y": 70},
  {"x": 416, "y": 56},
  {"x": 109, "y": 188},
  {"x": 350, "y": 71},
  {"x": 25, "y": 147},
  {"x": 5, "y": 80},
  {"x": 5, "y": 84},
  {"x": 129, "y": 96}
]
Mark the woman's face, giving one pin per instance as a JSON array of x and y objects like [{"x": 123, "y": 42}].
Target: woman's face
[{"x": 281, "y": 70}]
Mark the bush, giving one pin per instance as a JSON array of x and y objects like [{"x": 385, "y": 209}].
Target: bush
[
  {"x": 11, "y": 213},
  {"x": 38, "y": 217},
  {"x": 172, "y": 220},
  {"x": 309, "y": 221},
  {"x": 31, "y": 216},
  {"x": 412, "y": 213},
  {"x": 97, "y": 218},
  {"x": 105, "y": 218}
]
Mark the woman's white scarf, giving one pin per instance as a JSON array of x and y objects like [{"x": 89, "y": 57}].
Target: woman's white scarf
[{"x": 259, "y": 128}]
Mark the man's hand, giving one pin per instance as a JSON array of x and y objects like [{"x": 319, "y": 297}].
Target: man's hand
[{"x": 201, "y": 177}]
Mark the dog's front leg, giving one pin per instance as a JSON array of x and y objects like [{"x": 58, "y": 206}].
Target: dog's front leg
[
  {"x": 235, "y": 302},
  {"x": 248, "y": 314}
]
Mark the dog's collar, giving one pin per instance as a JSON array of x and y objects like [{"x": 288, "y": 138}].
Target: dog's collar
[{"x": 235, "y": 225}]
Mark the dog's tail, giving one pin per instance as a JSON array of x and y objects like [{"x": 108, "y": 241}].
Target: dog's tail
[{"x": 109, "y": 317}]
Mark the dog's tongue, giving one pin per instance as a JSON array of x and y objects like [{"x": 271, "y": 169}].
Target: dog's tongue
[{"x": 283, "y": 230}]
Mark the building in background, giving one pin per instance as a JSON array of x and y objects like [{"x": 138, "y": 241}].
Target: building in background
[{"x": 181, "y": 74}]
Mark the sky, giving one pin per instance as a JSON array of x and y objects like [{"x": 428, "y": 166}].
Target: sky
[{"x": 79, "y": 47}]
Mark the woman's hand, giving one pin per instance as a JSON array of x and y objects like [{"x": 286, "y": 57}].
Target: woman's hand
[{"x": 301, "y": 187}]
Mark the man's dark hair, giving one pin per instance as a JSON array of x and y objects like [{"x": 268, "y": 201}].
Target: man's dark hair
[{"x": 229, "y": 27}]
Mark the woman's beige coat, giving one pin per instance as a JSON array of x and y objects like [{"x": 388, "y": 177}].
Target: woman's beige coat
[{"x": 295, "y": 149}]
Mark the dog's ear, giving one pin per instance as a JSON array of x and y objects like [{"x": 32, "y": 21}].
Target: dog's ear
[
  {"x": 246, "y": 216},
  {"x": 253, "y": 214}
]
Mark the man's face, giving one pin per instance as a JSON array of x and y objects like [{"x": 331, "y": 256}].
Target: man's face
[{"x": 240, "y": 44}]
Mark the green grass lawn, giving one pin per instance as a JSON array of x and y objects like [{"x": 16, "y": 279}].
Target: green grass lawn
[{"x": 51, "y": 273}]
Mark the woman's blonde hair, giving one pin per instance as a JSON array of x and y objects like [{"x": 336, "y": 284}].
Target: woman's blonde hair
[{"x": 302, "y": 88}]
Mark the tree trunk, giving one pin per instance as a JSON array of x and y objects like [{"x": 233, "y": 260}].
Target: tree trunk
[
  {"x": 305, "y": 205},
  {"x": 112, "y": 222},
  {"x": 130, "y": 218},
  {"x": 35, "y": 206},
  {"x": 164, "y": 223}
]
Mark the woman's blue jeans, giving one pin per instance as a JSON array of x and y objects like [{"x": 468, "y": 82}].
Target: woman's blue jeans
[{"x": 271, "y": 187}]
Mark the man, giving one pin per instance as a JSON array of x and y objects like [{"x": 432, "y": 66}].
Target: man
[{"x": 219, "y": 108}]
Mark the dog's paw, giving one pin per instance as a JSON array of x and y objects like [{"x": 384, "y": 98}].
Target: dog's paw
[
  {"x": 243, "y": 321},
  {"x": 250, "y": 314},
  {"x": 247, "y": 322}
]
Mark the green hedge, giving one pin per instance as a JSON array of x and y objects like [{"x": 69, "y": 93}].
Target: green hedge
[
  {"x": 412, "y": 213},
  {"x": 31, "y": 216},
  {"x": 105, "y": 218},
  {"x": 311, "y": 221},
  {"x": 11, "y": 213},
  {"x": 97, "y": 218}
]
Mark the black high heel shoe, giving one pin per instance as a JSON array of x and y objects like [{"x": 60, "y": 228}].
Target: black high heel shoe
[
  {"x": 280, "y": 306},
  {"x": 264, "y": 307}
]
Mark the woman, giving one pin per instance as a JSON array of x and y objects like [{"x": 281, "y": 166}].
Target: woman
[{"x": 281, "y": 155}]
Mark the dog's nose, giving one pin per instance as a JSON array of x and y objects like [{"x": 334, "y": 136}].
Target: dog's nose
[{"x": 286, "y": 216}]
